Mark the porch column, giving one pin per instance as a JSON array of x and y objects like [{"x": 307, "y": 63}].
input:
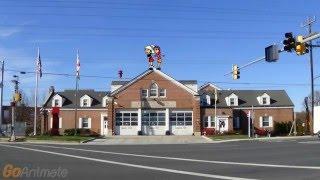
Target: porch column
[
  {"x": 167, "y": 119},
  {"x": 139, "y": 119},
  {"x": 209, "y": 121}
]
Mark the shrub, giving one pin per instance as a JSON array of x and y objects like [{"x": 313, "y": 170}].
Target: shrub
[
  {"x": 80, "y": 131},
  {"x": 29, "y": 131},
  {"x": 282, "y": 128}
]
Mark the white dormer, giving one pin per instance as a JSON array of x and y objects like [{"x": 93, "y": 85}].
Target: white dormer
[
  {"x": 264, "y": 99},
  {"x": 85, "y": 101},
  {"x": 105, "y": 101},
  {"x": 232, "y": 100},
  {"x": 57, "y": 101}
]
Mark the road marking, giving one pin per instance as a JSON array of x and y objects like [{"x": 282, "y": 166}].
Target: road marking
[
  {"x": 186, "y": 159},
  {"x": 132, "y": 165},
  {"x": 309, "y": 142}
]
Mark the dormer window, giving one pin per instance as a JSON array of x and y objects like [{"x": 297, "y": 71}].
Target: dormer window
[
  {"x": 154, "y": 90},
  {"x": 232, "y": 101},
  {"x": 85, "y": 101},
  {"x": 56, "y": 103},
  {"x": 264, "y": 99},
  {"x": 105, "y": 101}
]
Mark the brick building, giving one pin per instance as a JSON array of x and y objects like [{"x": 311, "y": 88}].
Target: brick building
[{"x": 154, "y": 103}]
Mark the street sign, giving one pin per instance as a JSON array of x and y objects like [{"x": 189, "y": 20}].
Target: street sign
[{"x": 272, "y": 53}]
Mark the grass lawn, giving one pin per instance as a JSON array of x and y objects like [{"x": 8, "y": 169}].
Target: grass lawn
[
  {"x": 226, "y": 137},
  {"x": 59, "y": 138}
]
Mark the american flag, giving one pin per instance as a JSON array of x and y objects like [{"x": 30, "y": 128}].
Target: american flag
[
  {"x": 39, "y": 66},
  {"x": 78, "y": 66}
]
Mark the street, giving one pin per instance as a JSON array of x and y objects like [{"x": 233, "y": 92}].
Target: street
[{"x": 264, "y": 159}]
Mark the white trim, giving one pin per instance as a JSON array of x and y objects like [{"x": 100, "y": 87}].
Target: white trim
[
  {"x": 56, "y": 97},
  {"x": 87, "y": 97},
  {"x": 89, "y": 123},
  {"x": 147, "y": 93},
  {"x": 210, "y": 84},
  {"x": 60, "y": 122},
  {"x": 281, "y": 107},
  {"x": 50, "y": 123},
  {"x": 157, "y": 90},
  {"x": 165, "y": 93},
  {"x": 158, "y": 72},
  {"x": 104, "y": 101},
  {"x": 102, "y": 115},
  {"x": 80, "y": 123},
  {"x": 71, "y": 109}
]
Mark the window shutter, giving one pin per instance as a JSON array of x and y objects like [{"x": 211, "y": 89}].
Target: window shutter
[
  {"x": 208, "y": 98},
  {"x": 80, "y": 123},
  {"x": 50, "y": 123},
  {"x": 270, "y": 121},
  {"x": 260, "y": 121},
  {"x": 209, "y": 121},
  {"x": 60, "y": 122},
  {"x": 89, "y": 123}
]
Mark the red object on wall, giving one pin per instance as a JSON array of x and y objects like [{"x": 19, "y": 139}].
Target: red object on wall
[{"x": 55, "y": 111}]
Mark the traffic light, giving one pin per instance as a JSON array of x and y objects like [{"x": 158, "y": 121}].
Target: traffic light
[
  {"x": 301, "y": 48},
  {"x": 17, "y": 97},
  {"x": 289, "y": 42},
  {"x": 235, "y": 72}
]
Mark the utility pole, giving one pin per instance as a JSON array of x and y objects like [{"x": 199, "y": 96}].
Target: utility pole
[
  {"x": 13, "y": 106},
  {"x": 308, "y": 24},
  {"x": 1, "y": 94}
]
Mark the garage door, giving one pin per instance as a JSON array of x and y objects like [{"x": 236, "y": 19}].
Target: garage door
[
  {"x": 181, "y": 123},
  {"x": 153, "y": 122},
  {"x": 126, "y": 123}
]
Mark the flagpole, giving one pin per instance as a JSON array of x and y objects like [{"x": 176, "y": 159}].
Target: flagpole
[
  {"x": 76, "y": 94},
  {"x": 76, "y": 107},
  {"x": 36, "y": 98}
]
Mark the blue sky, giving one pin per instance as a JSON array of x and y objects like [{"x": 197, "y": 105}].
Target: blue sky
[{"x": 200, "y": 39}]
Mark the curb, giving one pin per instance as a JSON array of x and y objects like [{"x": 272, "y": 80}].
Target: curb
[{"x": 86, "y": 141}]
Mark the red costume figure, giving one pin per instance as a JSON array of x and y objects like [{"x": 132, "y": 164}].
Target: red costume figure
[
  {"x": 158, "y": 55},
  {"x": 149, "y": 52}
]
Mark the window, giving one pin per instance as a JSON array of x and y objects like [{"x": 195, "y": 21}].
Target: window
[
  {"x": 181, "y": 118},
  {"x": 85, "y": 123},
  {"x": 85, "y": 103},
  {"x": 265, "y": 121},
  {"x": 153, "y": 119},
  {"x": 232, "y": 101},
  {"x": 208, "y": 119},
  {"x": 162, "y": 92},
  {"x": 144, "y": 93},
  {"x": 154, "y": 90},
  {"x": 264, "y": 100},
  {"x": 56, "y": 102},
  {"x": 126, "y": 119}
]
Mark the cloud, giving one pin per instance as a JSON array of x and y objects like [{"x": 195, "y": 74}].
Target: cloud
[{"x": 6, "y": 32}]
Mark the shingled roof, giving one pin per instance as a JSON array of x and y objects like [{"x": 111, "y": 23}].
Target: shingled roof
[
  {"x": 69, "y": 101},
  {"x": 248, "y": 98},
  {"x": 181, "y": 81}
]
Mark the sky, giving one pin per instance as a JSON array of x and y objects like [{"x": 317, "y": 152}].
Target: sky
[{"x": 201, "y": 40}]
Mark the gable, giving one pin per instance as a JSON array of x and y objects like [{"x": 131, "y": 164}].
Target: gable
[{"x": 157, "y": 76}]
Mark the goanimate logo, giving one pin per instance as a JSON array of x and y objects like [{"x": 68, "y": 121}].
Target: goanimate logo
[{"x": 9, "y": 171}]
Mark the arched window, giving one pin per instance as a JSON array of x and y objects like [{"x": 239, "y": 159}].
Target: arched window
[{"x": 154, "y": 90}]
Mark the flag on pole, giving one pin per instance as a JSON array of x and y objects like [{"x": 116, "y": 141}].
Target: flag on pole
[
  {"x": 39, "y": 65},
  {"x": 78, "y": 66}
]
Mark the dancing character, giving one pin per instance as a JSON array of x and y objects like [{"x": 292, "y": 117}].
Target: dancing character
[
  {"x": 158, "y": 55},
  {"x": 149, "y": 52}
]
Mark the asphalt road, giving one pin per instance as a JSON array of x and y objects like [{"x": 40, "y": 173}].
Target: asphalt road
[{"x": 275, "y": 159}]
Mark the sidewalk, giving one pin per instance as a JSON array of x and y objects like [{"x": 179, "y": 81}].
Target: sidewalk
[{"x": 140, "y": 140}]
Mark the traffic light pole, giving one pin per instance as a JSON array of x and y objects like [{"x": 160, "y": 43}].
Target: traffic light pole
[{"x": 309, "y": 25}]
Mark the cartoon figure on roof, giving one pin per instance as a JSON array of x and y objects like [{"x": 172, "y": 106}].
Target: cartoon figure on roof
[
  {"x": 154, "y": 52},
  {"x": 149, "y": 52}
]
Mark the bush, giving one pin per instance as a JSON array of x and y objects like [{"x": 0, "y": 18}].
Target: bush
[
  {"x": 54, "y": 132},
  {"x": 168, "y": 133},
  {"x": 208, "y": 131},
  {"x": 80, "y": 131},
  {"x": 29, "y": 131},
  {"x": 282, "y": 128}
]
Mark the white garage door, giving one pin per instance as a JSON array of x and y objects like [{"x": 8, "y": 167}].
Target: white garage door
[
  {"x": 153, "y": 122},
  {"x": 181, "y": 123},
  {"x": 126, "y": 123}
]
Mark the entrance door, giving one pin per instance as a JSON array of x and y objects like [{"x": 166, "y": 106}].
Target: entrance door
[
  {"x": 105, "y": 125},
  {"x": 222, "y": 124}
]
